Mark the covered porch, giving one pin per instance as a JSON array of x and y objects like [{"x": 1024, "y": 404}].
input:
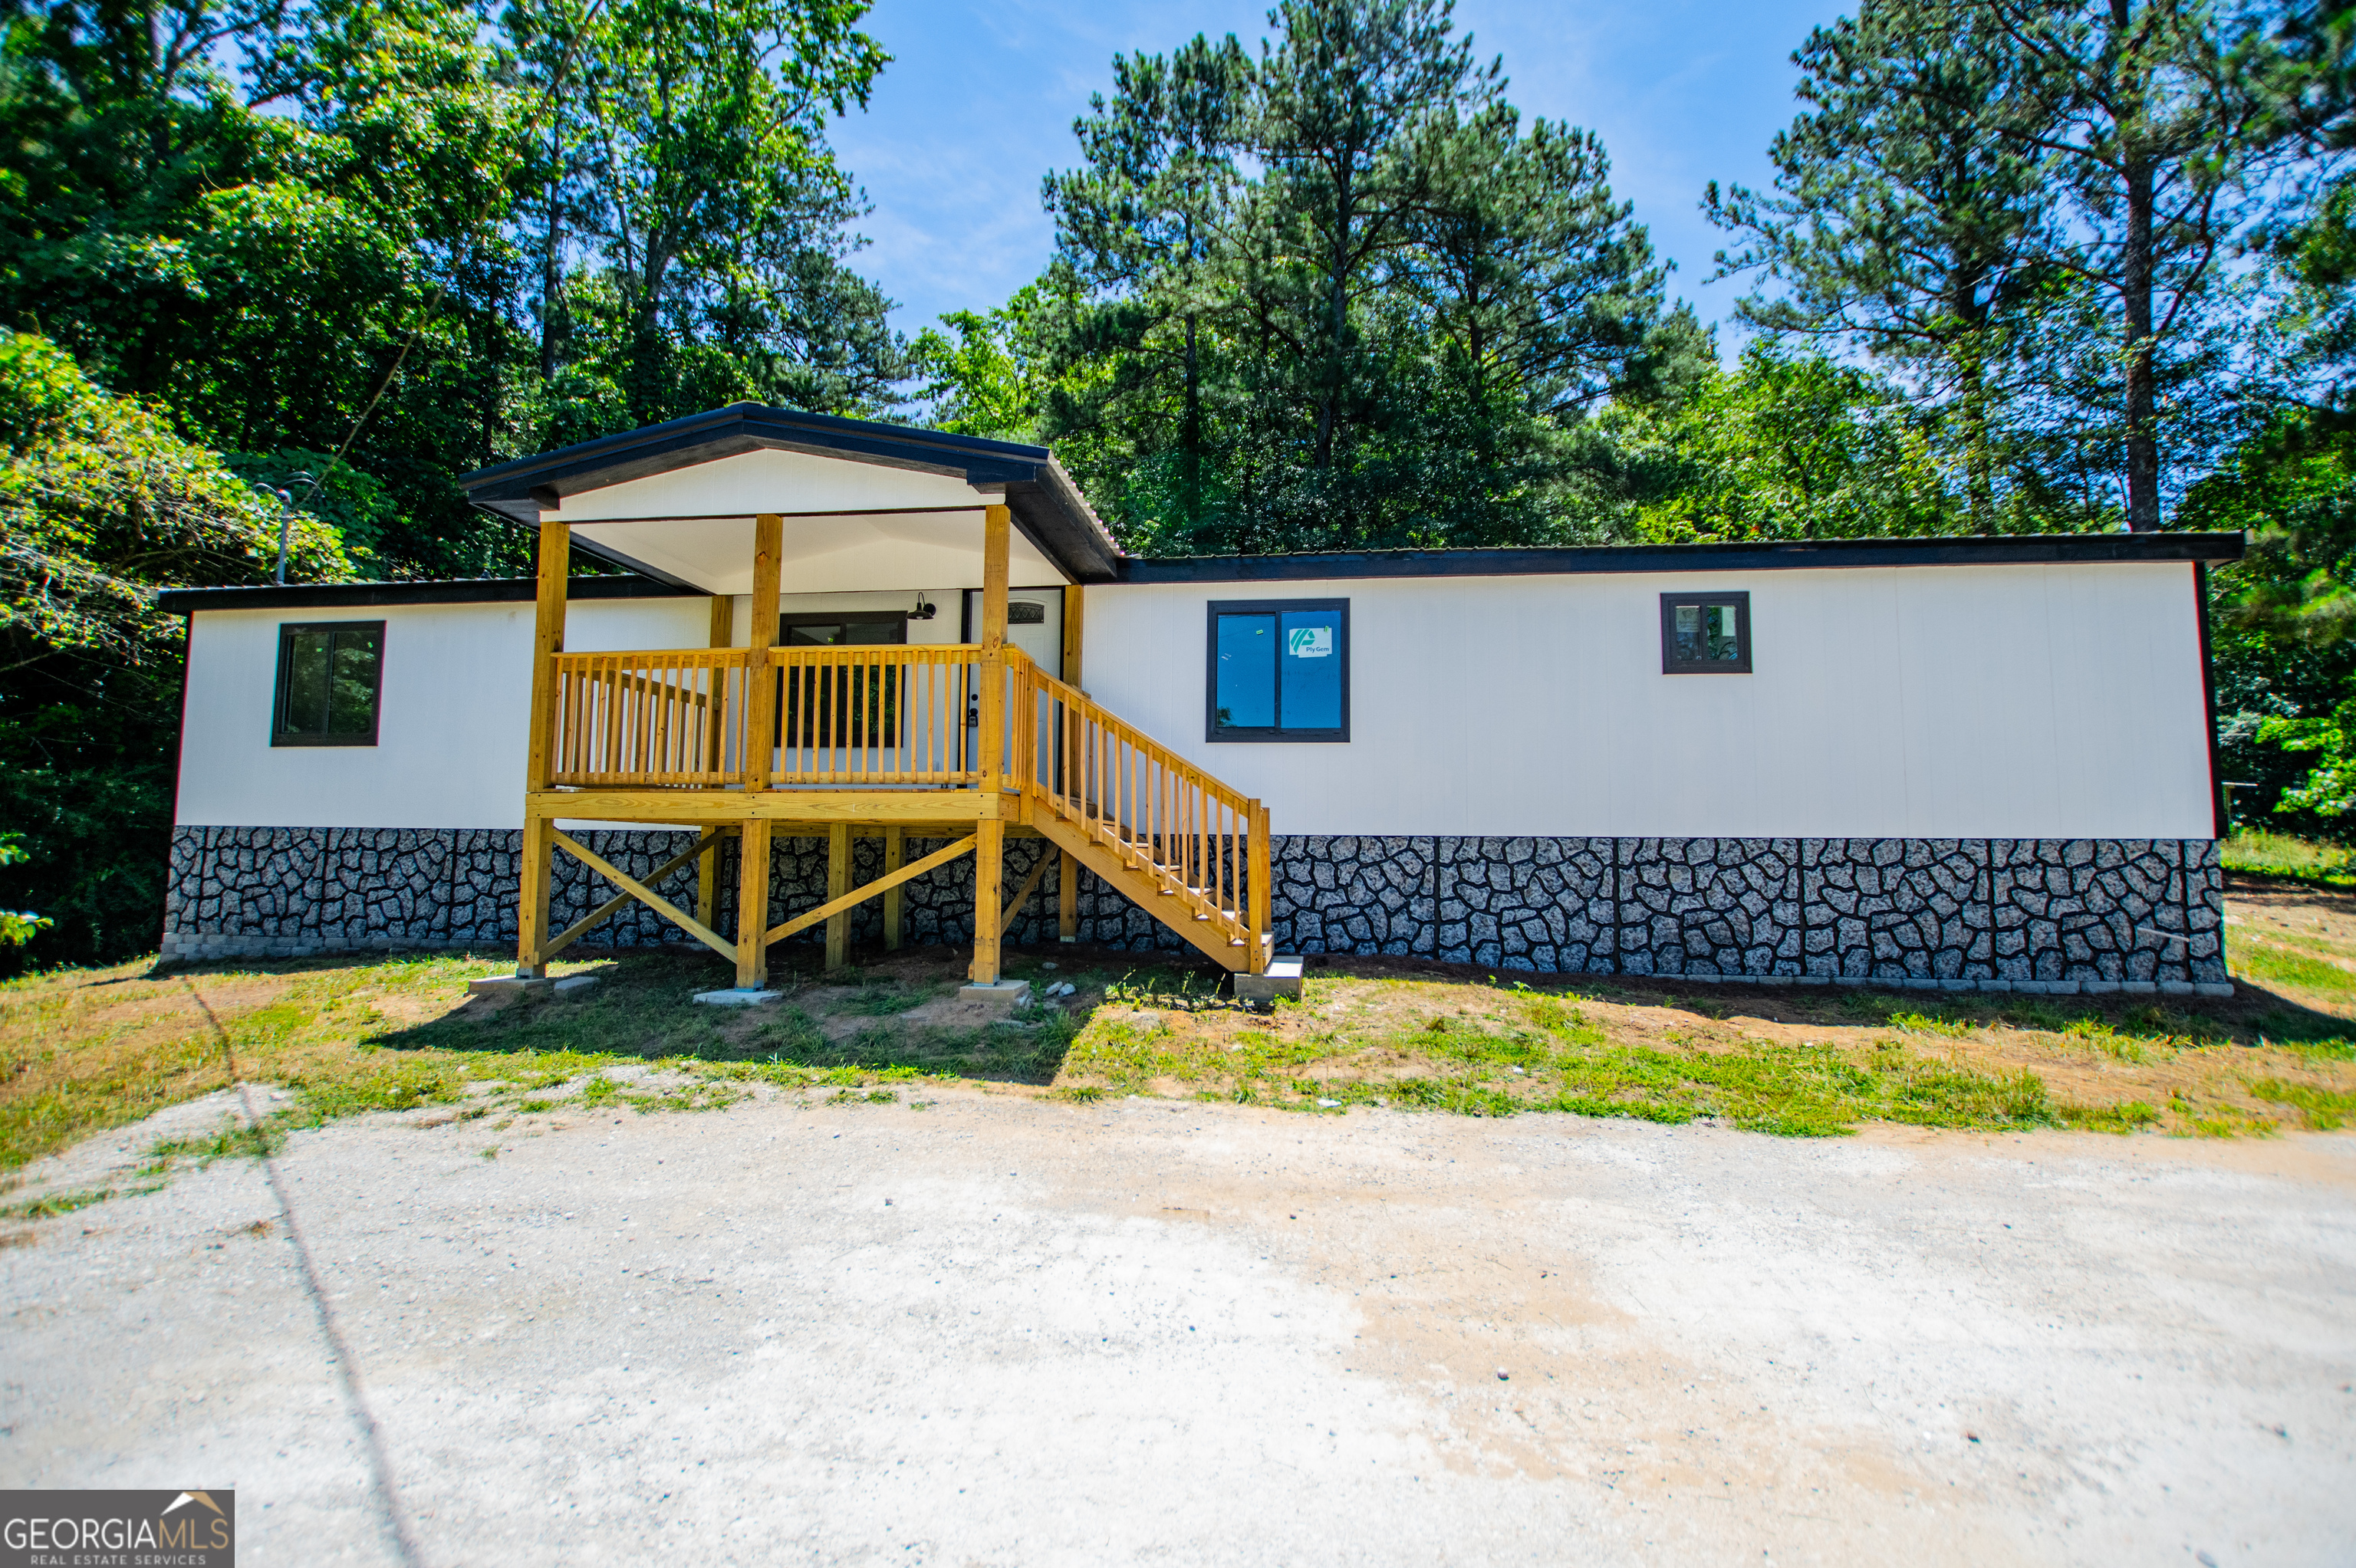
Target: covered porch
[{"x": 856, "y": 722}]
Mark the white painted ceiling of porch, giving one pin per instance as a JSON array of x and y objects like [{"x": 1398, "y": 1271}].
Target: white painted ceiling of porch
[{"x": 696, "y": 524}]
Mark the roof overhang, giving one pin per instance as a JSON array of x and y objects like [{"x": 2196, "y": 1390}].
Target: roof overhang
[
  {"x": 1759, "y": 555},
  {"x": 670, "y": 499}
]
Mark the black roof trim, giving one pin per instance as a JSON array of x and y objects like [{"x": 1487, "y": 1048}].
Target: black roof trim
[
  {"x": 357, "y": 595},
  {"x": 1973, "y": 549},
  {"x": 1047, "y": 507}
]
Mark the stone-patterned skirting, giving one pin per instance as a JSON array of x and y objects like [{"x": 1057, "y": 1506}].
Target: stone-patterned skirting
[{"x": 1970, "y": 913}]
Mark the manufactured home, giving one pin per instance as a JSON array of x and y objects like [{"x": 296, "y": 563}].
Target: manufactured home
[{"x": 841, "y": 681}]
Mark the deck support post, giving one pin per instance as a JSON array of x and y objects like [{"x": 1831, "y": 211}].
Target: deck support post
[
  {"x": 547, "y": 641},
  {"x": 838, "y": 883},
  {"x": 1261, "y": 873},
  {"x": 753, "y": 907},
  {"x": 989, "y": 875},
  {"x": 1068, "y": 869},
  {"x": 532, "y": 928},
  {"x": 760, "y": 753},
  {"x": 990, "y": 838},
  {"x": 895, "y": 848}
]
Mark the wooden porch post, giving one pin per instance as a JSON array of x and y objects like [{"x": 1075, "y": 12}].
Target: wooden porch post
[
  {"x": 760, "y": 748},
  {"x": 838, "y": 883},
  {"x": 547, "y": 641},
  {"x": 1067, "y": 870},
  {"x": 707, "y": 865},
  {"x": 896, "y": 849},
  {"x": 990, "y": 833}
]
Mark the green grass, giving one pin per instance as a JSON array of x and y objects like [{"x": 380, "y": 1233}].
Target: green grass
[
  {"x": 2261, "y": 962},
  {"x": 57, "y": 1203},
  {"x": 889, "y": 998},
  {"x": 2127, "y": 1116},
  {"x": 240, "y": 1141},
  {"x": 1548, "y": 1056},
  {"x": 2323, "y": 1109},
  {"x": 2263, "y": 854}
]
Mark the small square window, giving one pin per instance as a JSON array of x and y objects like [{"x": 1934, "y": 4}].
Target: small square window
[
  {"x": 328, "y": 679},
  {"x": 1280, "y": 670},
  {"x": 1704, "y": 633}
]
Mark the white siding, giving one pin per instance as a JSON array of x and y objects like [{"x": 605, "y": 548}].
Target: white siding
[
  {"x": 451, "y": 720},
  {"x": 1947, "y": 701},
  {"x": 2010, "y": 702}
]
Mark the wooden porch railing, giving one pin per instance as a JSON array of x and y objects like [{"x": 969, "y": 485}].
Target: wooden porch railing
[
  {"x": 879, "y": 715},
  {"x": 1192, "y": 837},
  {"x": 676, "y": 717},
  {"x": 671, "y": 717}
]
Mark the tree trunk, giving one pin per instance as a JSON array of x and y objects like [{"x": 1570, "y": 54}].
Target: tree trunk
[
  {"x": 1191, "y": 439},
  {"x": 551, "y": 276},
  {"x": 2142, "y": 411},
  {"x": 2135, "y": 284}
]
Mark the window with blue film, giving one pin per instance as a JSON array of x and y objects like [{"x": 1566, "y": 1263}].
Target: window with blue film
[
  {"x": 1246, "y": 676},
  {"x": 1280, "y": 670}
]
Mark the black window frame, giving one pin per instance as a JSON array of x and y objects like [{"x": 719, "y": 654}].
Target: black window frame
[
  {"x": 1213, "y": 731},
  {"x": 287, "y": 632},
  {"x": 1671, "y": 665}
]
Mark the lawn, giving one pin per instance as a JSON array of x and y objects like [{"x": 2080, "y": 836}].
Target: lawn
[
  {"x": 2260, "y": 854},
  {"x": 90, "y": 1050}
]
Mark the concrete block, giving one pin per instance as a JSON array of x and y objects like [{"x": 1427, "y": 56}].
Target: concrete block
[
  {"x": 2214, "y": 988},
  {"x": 1281, "y": 981},
  {"x": 510, "y": 986},
  {"x": 2099, "y": 987},
  {"x": 2175, "y": 987},
  {"x": 734, "y": 998},
  {"x": 574, "y": 985},
  {"x": 2139, "y": 987},
  {"x": 1002, "y": 996}
]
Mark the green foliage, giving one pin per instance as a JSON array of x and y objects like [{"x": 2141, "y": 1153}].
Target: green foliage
[
  {"x": 18, "y": 927},
  {"x": 375, "y": 242},
  {"x": 1783, "y": 448},
  {"x": 1340, "y": 297}
]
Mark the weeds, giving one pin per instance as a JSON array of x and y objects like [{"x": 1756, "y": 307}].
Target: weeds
[
  {"x": 240, "y": 1141},
  {"x": 2322, "y": 1109},
  {"x": 2280, "y": 855},
  {"x": 57, "y": 1203},
  {"x": 2127, "y": 1116},
  {"x": 1934, "y": 1023}
]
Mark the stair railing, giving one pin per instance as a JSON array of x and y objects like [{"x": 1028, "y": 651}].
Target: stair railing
[{"x": 1202, "y": 841}]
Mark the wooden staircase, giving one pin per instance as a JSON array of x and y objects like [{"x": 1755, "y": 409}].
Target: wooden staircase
[{"x": 1186, "y": 847}]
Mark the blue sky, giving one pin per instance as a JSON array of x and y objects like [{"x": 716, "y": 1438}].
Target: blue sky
[{"x": 978, "y": 101}]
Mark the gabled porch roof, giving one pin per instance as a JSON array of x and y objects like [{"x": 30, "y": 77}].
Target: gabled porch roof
[{"x": 867, "y": 505}]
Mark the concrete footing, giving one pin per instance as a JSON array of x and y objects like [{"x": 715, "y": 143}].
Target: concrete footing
[
  {"x": 511, "y": 985},
  {"x": 1282, "y": 982},
  {"x": 1005, "y": 995},
  {"x": 733, "y": 998}
]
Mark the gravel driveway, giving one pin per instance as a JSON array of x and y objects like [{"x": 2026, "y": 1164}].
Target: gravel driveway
[{"x": 997, "y": 1331}]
